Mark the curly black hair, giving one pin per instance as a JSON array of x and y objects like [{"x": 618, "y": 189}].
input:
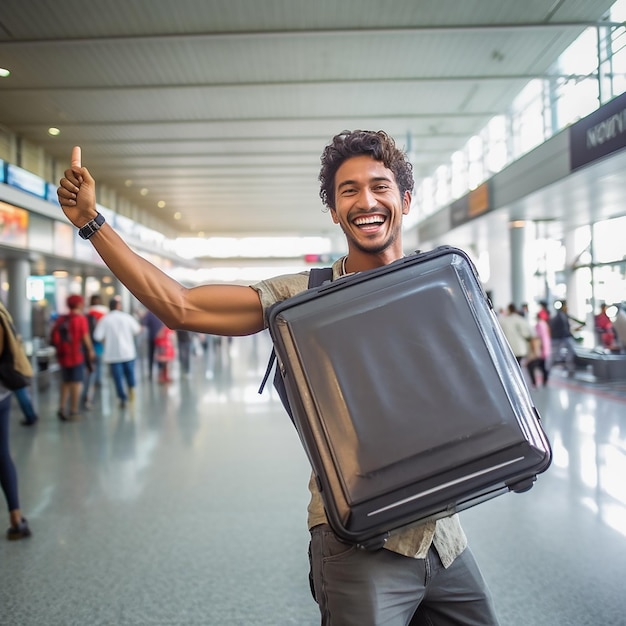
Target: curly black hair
[{"x": 351, "y": 143}]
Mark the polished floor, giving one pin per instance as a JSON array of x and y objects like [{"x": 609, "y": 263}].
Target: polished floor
[{"x": 189, "y": 508}]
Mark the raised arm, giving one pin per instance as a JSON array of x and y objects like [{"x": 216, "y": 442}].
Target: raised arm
[{"x": 213, "y": 309}]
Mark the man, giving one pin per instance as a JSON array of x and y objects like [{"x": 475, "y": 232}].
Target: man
[
  {"x": 563, "y": 345},
  {"x": 72, "y": 341},
  {"x": 423, "y": 575},
  {"x": 183, "y": 341},
  {"x": 517, "y": 332},
  {"x": 153, "y": 325},
  {"x": 117, "y": 331},
  {"x": 603, "y": 327}
]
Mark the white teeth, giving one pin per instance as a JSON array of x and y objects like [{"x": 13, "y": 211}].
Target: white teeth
[{"x": 373, "y": 219}]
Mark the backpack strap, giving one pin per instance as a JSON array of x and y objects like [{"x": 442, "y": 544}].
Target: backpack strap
[
  {"x": 320, "y": 275},
  {"x": 317, "y": 277},
  {"x": 268, "y": 370}
]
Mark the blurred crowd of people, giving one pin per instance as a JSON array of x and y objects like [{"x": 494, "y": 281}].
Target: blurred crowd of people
[
  {"x": 550, "y": 338},
  {"x": 86, "y": 341}
]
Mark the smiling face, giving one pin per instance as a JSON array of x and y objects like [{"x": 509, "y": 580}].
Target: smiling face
[{"x": 369, "y": 207}]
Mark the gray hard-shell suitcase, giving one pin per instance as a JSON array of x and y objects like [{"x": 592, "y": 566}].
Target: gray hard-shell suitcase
[{"x": 406, "y": 396}]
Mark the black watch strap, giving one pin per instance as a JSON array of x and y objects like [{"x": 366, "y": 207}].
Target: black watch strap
[{"x": 90, "y": 228}]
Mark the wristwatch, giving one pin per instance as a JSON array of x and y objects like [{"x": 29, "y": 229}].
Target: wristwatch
[{"x": 91, "y": 228}]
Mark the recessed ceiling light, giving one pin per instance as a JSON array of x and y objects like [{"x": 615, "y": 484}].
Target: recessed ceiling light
[
  {"x": 128, "y": 182},
  {"x": 161, "y": 204},
  {"x": 177, "y": 215},
  {"x": 53, "y": 131},
  {"x": 4, "y": 72},
  {"x": 144, "y": 191}
]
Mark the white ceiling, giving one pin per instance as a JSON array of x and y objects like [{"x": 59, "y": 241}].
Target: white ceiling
[{"x": 222, "y": 108}]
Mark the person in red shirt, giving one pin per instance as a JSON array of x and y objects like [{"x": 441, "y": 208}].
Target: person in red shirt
[
  {"x": 604, "y": 328},
  {"x": 164, "y": 352},
  {"x": 71, "y": 339}
]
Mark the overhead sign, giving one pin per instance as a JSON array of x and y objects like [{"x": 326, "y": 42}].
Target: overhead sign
[
  {"x": 25, "y": 180},
  {"x": 13, "y": 225},
  {"x": 599, "y": 134},
  {"x": 473, "y": 204}
]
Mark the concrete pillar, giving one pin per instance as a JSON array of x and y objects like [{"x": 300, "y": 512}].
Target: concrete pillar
[
  {"x": 518, "y": 231},
  {"x": 573, "y": 246},
  {"x": 17, "y": 304}
]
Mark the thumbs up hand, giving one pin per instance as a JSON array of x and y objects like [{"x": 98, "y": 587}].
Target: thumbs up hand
[{"x": 77, "y": 192}]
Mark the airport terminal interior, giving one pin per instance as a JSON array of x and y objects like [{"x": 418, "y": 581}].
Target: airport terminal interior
[{"x": 187, "y": 505}]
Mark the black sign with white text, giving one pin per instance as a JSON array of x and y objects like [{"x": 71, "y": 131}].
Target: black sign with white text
[{"x": 600, "y": 133}]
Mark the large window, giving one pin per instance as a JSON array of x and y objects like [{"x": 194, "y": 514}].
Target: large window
[
  {"x": 577, "y": 92},
  {"x": 609, "y": 247},
  {"x": 590, "y": 72},
  {"x": 497, "y": 155},
  {"x": 460, "y": 181},
  {"x": 528, "y": 118},
  {"x": 475, "y": 154},
  {"x": 613, "y": 63},
  {"x": 609, "y": 261}
]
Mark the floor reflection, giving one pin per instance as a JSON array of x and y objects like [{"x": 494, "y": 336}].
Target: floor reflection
[{"x": 588, "y": 435}]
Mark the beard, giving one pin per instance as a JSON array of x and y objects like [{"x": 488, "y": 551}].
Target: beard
[{"x": 374, "y": 247}]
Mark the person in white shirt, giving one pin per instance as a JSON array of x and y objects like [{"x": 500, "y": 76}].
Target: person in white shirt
[
  {"x": 117, "y": 331},
  {"x": 517, "y": 332}
]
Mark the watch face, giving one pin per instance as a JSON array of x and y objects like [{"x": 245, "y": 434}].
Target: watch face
[{"x": 91, "y": 227}]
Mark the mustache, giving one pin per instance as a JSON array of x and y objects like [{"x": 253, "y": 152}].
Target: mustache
[{"x": 375, "y": 211}]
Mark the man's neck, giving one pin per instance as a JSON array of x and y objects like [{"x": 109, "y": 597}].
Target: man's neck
[{"x": 359, "y": 261}]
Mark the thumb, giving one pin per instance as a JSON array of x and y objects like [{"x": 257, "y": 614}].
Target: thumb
[
  {"x": 76, "y": 164},
  {"x": 76, "y": 158}
]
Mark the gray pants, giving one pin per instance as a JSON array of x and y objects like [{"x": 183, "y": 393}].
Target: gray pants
[
  {"x": 355, "y": 587},
  {"x": 565, "y": 349}
]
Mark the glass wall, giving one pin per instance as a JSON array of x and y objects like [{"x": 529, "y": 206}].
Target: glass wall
[
  {"x": 608, "y": 263},
  {"x": 589, "y": 73},
  {"x": 588, "y": 269}
]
